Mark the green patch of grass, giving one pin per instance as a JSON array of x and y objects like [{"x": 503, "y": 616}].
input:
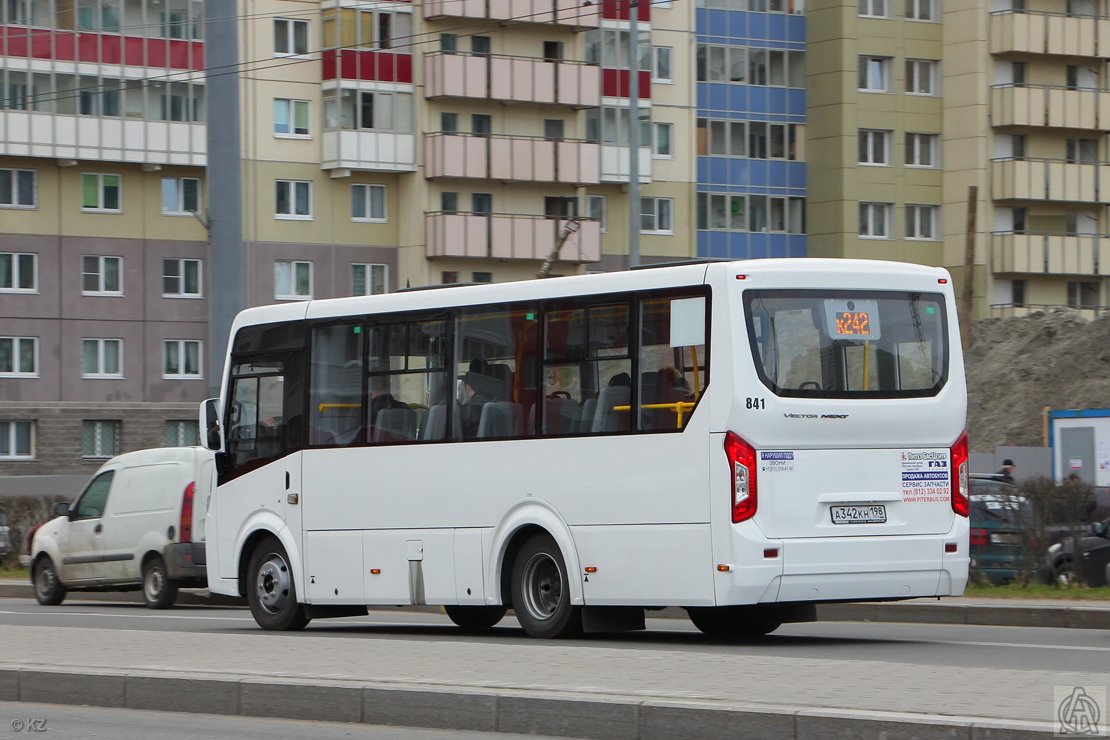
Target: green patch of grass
[
  {"x": 1038, "y": 591},
  {"x": 6, "y": 572}
]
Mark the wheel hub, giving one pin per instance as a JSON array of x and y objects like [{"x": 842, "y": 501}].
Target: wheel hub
[
  {"x": 543, "y": 586},
  {"x": 273, "y": 584}
]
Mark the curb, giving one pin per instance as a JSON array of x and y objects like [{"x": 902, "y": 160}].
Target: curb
[
  {"x": 562, "y": 715},
  {"x": 1060, "y": 617}
]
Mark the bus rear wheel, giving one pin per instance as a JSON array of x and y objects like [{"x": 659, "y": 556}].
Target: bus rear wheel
[
  {"x": 270, "y": 590},
  {"x": 541, "y": 590},
  {"x": 475, "y": 618},
  {"x": 730, "y": 622}
]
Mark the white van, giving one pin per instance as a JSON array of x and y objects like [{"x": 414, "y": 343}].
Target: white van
[{"x": 138, "y": 524}]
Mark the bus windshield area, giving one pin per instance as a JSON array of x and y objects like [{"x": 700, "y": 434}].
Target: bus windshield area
[{"x": 848, "y": 344}]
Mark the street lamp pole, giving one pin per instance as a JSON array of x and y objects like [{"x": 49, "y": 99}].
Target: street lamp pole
[{"x": 634, "y": 136}]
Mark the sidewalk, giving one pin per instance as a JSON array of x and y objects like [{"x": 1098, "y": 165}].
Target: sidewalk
[{"x": 946, "y": 610}]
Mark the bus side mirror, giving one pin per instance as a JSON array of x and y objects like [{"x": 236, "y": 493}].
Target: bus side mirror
[{"x": 210, "y": 423}]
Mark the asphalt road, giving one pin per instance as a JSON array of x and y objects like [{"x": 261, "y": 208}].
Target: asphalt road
[
  {"x": 944, "y": 645},
  {"x": 55, "y": 722}
]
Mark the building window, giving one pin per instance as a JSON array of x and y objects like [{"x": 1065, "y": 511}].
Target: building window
[
  {"x": 1082, "y": 295},
  {"x": 662, "y": 64},
  {"x": 180, "y": 196},
  {"x": 181, "y": 359},
  {"x": 17, "y": 440},
  {"x": 481, "y": 204},
  {"x": 873, "y": 9},
  {"x": 874, "y": 220},
  {"x": 18, "y": 273},
  {"x": 367, "y": 279},
  {"x": 290, "y": 37},
  {"x": 449, "y": 123},
  {"x": 553, "y": 129},
  {"x": 874, "y": 74},
  {"x": 481, "y": 277},
  {"x": 661, "y": 141},
  {"x": 101, "y": 193},
  {"x": 101, "y": 275},
  {"x": 921, "y": 10},
  {"x": 921, "y": 150},
  {"x": 596, "y": 209},
  {"x": 449, "y": 43},
  {"x": 754, "y": 66},
  {"x": 181, "y": 278},
  {"x": 17, "y": 187},
  {"x": 1082, "y": 151},
  {"x": 292, "y": 280},
  {"x": 290, "y": 117},
  {"x": 757, "y": 213},
  {"x": 183, "y": 433},
  {"x": 481, "y": 124},
  {"x": 920, "y": 77},
  {"x": 101, "y": 358},
  {"x": 293, "y": 199},
  {"x": 1017, "y": 293},
  {"x": 874, "y": 147},
  {"x": 449, "y": 277},
  {"x": 100, "y": 438},
  {"x": 656, "y": 215},
  {"x": 449, "y": 202},
  {"x": 368, "y": 203},
  {"x": 19, "y": 357},
  {"x": 921, "y": 222}
]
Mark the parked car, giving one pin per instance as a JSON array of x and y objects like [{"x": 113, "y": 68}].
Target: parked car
[
  {"x": 999, "y": 518},
  {"x": 1059, "y": 565},
  {"x": 138, "y": 524}
]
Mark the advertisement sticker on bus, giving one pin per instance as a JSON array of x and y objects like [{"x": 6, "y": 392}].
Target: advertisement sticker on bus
[
  {"x": 776, "y": 462},
  {"x": 925, "y": 476}
]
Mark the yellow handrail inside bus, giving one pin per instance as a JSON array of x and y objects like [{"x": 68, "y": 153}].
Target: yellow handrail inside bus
[
  {"x": 697, "y": 385},
  {"x": 679, "y": 407},
  {"x": 325, "y": 407},
  {"x": 866, "y": 354}
]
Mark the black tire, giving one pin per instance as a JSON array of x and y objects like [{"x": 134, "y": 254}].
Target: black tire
[
  {"x": 475, "y": 618},
  {"x": 1064, "y": 574},
  {"x": 159, "y": 592},
  {"x": 270, "y": 590},
  {"x": 729, "y": 622},
  {"x": 541, "y": 591},
  {"x": 49, "y": 591}
]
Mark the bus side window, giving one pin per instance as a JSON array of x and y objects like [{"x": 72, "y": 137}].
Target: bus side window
[
  {"x": 407, "y": 382},
  {"x": 335, "y": 397},
  {"x": 256, "y": 420},
  {"x": 673, "y": 363}
]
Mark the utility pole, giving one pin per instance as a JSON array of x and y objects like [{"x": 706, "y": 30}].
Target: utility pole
[
  {"x": 969, "y": 264},
  {"x": 634, "y": 135}
]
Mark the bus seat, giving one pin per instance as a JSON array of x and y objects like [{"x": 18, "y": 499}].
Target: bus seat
[
  {"x": 435, "y": 423},
  {"x": 504, "y": 381},
  {"x": 501, "y": 419},
  {"x": 586, "y": 419},
  {"x": 395, "y": 425},
  {"x": 605, "y": 418},
  {"x": 560, "y": 416}
]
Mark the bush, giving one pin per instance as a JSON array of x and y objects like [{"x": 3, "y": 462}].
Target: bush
[{"x": 23, "y": 514}]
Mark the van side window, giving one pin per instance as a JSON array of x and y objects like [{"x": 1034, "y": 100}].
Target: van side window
[{"x": 95, "y": 498}]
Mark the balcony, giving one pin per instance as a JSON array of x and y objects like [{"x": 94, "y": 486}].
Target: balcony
[
  {"x": 1034, "y": 32},
  {"x": 1050, "y": 254},
  {"x": 1050, "y": 179},
  {"x": 101, "y": 138},
  {"x": 570, "y": 13},
  {"x": 368, "y": 150},
  {"x": 512, "y": 158},
  {"x": 512, "y": 79},
  {"x": 1050, "y": 105},
  {"x": 615, "y": 163},
  {"x": 1009, "y": 310},
  {"x": 508, "y": 236}
]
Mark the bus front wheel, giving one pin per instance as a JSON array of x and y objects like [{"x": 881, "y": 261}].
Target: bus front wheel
[
  {"x": 270, "y": 590},
  {"x": 730, "y": 622},
  {"x": 541, "y": 590},
  {"x": 475, "y": 618}
]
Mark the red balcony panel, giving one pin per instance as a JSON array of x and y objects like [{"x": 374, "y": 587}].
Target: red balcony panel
[
  {"x": 16, "y": 45},
  {"x": 179, "y": 54},
  {"x": 111, "y": 49},
  {"x": 61, "y": 48},
  {"x": 156, "y": 52},
  {"x": 329, "y": 65},
  {"x": 367, "y": 65},
  {"x": 387, "y": 67},
  {"x": 404, "y": 66},
  {"x": 610, "y": 83},
  {"x": 88, "y": 48},
  {"x": 198, "y": 55},
  {"x": 134, "y": 51},
  {"x": 614, "y": 83},
  {"x": 618, "y": 9},
  {"x": 348, "y": 64}
]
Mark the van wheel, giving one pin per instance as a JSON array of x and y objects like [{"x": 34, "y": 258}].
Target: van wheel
[
  {"x": 475, "y": 618},
  {"x": 727, "y": 622},
  {"x": 49, "y": 591},
  {"x": 159, "y": 592},
  {"x": 270, "y": 590},
  {"x": 541, "y": 590}
]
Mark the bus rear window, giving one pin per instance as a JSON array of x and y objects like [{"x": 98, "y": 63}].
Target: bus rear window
[{"x": 848, "y": 343}]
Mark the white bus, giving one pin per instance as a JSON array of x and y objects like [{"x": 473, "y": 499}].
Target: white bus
[{"x": 742, "y": 439}]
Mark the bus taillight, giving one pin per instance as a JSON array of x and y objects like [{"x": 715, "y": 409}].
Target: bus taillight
[
  {"x": 186, "y": 528},
  {"x": 741, "y": 458},
  {"x": 959, "y": 474}
]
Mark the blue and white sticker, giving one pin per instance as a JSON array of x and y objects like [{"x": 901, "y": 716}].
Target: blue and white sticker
[
  {"x": 772, "y": 461},
  {"x": 926, "y": 477}
]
